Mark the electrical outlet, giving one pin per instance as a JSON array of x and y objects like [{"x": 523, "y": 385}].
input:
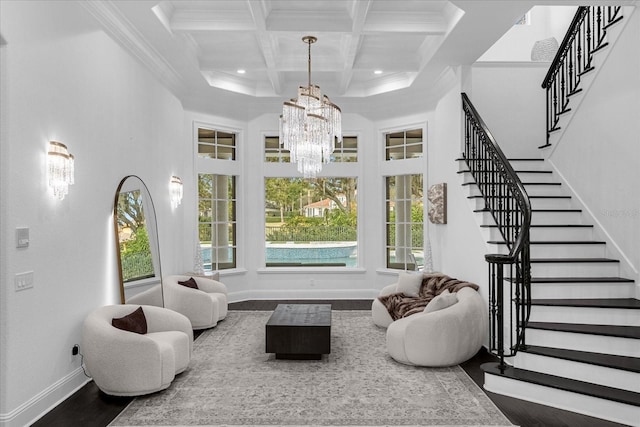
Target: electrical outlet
[{"x": 75, "y": 350}]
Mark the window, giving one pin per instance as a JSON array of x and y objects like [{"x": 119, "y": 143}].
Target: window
[
  {"x": 403, "y": 144},
  {"x": 214, "y": 144},
  {"x": 217, "y": 220},
  {"x": 311, "y": 223},
  {"x": 345, "y": 151},
  {"x": 404, "y": 222}
]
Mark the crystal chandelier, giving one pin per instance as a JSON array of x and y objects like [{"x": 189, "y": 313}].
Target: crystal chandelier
[
  {"x": 309, "y": 124},
  {"x": 60, "y": 169}
]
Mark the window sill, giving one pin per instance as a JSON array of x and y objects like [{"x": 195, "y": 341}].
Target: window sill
[{"x": 315, "y": 270}]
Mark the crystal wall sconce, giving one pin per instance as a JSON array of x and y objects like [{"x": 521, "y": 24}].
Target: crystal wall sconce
[
  {"x": 175, "y": 191},
  {"x": 60, "y": 169}
]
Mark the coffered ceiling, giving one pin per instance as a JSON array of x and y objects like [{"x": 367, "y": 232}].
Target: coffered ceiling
[{"x": 242, "y": 58}]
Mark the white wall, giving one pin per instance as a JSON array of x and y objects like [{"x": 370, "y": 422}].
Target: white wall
[
  {"x": 599, "y": 152},
  {"x": 62, "y": 79},
  {"x": 511, "y": 101},
  {"x": 458, "y": 246},
  {"x": 516, "y": 44}
]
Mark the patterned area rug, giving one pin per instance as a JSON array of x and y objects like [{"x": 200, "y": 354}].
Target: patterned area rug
[{"x": 233, "y": 382}]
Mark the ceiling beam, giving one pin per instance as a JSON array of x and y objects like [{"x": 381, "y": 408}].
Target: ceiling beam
[
  {"x": 265, "y": 41},
  {"x": 352, "y": 42}
]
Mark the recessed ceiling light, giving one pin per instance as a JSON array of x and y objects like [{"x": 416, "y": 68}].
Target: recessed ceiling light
[
  {"x": 241, "y": 71},
  {"x": 377, "y": 72}
]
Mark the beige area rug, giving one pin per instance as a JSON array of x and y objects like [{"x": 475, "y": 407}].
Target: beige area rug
[{"x": 233, "y": 382}]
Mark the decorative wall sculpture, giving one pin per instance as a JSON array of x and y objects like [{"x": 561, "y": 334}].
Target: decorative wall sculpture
[{"x": 437, "y": 196}]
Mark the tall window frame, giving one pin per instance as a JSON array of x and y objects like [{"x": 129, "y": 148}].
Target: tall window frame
[
  {"x": 217, "y": 180},
  {"x": 404, "y": 180},
  {"x": 342, "y": 165}
]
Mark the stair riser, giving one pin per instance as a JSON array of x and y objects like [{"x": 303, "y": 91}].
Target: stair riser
[
  {"x": 583, "y": 342},
  {"x": 532, "y": 190},
  {"x": 542, "y": 218},
  {"x": 561, "y": 233},
  {"x": 582, "y": 290},
  {"x": 595, "y": 374},
  {"x": 558, "y": 251},
  {"x": 535, "y": 177},
  {"x": 586, "y": 315},
  {"x": 577, "y": 269},
  {"x": 537, "y": 204},
  {"x": 592, "y": 406},
  {"x": 548, "y": 233},
  {"x": 530, "y": 165}
]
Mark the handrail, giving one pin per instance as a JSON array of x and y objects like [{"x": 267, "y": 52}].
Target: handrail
[
  {"x": 586, "y": 34},
  {"x": 506, "y": 199}
]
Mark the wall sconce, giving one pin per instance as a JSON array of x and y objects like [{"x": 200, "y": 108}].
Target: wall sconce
[
  {"x": 175, "y": 191},
  {"x": 60, "y": 169}
]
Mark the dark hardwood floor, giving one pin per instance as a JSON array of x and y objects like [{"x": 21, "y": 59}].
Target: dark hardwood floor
[{"x": 89, "y": 407}]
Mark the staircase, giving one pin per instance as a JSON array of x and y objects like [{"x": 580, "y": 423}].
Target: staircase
[
  {"x": 582, "y": 349},
  {"x": 568, "y": 335}
]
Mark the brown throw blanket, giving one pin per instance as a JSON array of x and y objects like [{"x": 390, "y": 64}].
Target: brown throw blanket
[{"x": 400, "y": 305}]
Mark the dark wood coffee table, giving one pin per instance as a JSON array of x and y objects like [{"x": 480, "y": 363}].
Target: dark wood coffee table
[{"x": 299, "y": 331}]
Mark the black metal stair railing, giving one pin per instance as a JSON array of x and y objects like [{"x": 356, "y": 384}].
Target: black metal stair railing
[
  {"x": 507, "y": 201},
  {"x": 585, "y": 36}
]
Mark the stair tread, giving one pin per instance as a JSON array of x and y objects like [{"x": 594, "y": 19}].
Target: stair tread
[
  {"x": 627, "y": 303},
  {"x": 573, "y": 260},
  {"x": 626, "y": 363},
  {"x": 532, "y": 210},
  {"x": 519, "y": 159},
  {"x": 580, "y": 280},
  {"x": 515, "y": 170},
  {"x": 583, "y": 328},
  {"x": 524, "y": 183},
  {"x": 478, "y": 196},
  {"x": 567, "y": 384},
  {"x": 544, "y": 225},
  {"x": 554, "y": 242}
]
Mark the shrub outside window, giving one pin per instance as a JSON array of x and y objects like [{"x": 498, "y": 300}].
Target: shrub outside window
[{"x": 311, "y": 223}]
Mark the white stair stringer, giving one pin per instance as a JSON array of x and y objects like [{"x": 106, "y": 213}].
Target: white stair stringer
[{"x": 569, "y": 401}]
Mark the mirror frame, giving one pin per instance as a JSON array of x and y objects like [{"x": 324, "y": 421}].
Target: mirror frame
[{"x": 148, "y": 216}]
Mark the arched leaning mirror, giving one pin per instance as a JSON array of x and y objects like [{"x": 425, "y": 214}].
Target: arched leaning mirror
[{"x": 138, "y": 253}]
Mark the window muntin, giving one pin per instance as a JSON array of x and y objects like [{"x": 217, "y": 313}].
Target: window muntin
[
  {"x": 404, "y": 225},
  {"x": 214, "y": 144},
  {"x": 217, "y": 221},
  {"x": 345, "y": 151},
  {"x": 311, "y": 223},
  {"x": 403, "y": 144}
]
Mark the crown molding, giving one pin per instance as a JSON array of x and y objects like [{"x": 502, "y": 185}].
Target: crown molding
[{"x": 124, "y": 33}]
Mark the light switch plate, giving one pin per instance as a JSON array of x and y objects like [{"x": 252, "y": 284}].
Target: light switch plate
[
  {"x": 24, "y": 280},
  {"x": 22, "y": 237}
]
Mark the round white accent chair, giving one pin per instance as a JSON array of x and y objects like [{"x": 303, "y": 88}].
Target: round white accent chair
[
  {"x": 124, "y": 363},
  {"x": 444, "y": 337},
  {"x": 204, "y": 306}
]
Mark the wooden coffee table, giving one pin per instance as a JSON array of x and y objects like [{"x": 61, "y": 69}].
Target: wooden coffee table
[{"x": 299, "y": 331}]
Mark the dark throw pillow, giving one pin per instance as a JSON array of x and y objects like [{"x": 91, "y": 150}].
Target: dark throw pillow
[
  {"x": 133, "y": 322},
  {"x": 191, "y": 283}
]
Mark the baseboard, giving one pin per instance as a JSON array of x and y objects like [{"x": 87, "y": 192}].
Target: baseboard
[
  {"x": 284, "y": 294},
  {"x": 46, "y": 400}
]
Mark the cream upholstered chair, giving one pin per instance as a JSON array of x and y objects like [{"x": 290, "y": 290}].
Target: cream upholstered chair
[
  {"x": 124, "y": 363},
  {"x": 444, "y": 337},
  {"x": 204, "y": 306}
]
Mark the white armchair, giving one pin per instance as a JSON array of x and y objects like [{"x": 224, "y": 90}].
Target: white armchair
[
  {"x": 204, "y": 306},
  {"x": 441, "y": 338},
  {"x": 124, "y": 363}
]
